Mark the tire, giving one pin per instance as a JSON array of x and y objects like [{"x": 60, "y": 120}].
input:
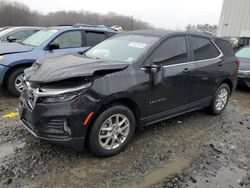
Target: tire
[
  {"x": 219, "y": 103},
  {"x": 97, "y": 144},
  {"x": 11, "y": 80}
]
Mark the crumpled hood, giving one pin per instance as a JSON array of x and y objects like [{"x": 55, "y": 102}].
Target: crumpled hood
[
  {"x": 244, "y": 64},
  {"x": 68, "y": 66},
  {"x": 10, "y": 48}
]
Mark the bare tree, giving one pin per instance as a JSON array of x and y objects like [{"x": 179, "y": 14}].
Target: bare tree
[
  {"x": 16, "y": 14},
  {"x": 204, "y": 28}
]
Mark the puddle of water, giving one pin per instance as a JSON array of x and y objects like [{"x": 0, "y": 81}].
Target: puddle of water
[
  {"x": 8, "y": 149},
  {"x": 175, "y": 166},
  {"x": 226, "y": 177}
]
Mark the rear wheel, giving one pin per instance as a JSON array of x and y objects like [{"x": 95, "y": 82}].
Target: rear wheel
[
  {"x": 112, "y": 131},
  {"x": 220, "y": 99},
  {"x": 15, "y": 82}
]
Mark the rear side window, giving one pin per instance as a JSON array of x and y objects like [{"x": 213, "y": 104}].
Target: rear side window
[
  {"x": 173, "y": 51},
  {"x": 203, "y": 49},
  {"x": 93, "y": 38},
  {"x": 225, "y": 46}
]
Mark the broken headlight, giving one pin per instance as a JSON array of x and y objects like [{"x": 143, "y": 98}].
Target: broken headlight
[{"x": 59, "y": 98}]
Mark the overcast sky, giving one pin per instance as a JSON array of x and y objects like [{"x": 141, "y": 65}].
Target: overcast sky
[{"x": 169, "y": 14}]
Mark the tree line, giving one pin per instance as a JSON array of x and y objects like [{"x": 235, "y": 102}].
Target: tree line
[
  {"x": 203, "y": 28},
  {"x": 19, "y": 14}
]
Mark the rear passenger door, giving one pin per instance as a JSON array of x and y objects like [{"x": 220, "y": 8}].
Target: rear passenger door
[{"x": 208, "y": 63}]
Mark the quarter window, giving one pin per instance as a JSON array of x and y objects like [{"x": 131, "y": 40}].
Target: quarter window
[
  {"x": 203, "y": 49},
  {"x": 173, "y": 51},
  {"x": 93, "y": 38},
  {"x": 71, "y": 39}
]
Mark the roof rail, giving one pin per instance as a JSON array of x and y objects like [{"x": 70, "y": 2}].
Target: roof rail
[{"x": 88, "y": 25}]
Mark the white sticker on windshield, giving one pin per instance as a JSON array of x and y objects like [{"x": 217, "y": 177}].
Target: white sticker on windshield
[{"x": 137, "y": 45}]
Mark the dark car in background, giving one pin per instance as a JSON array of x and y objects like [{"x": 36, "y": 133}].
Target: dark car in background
[
  {"x": 244, "y": 69},
  {"x": 133, "y": 79},
  {"x": 15, "y": 57},
  {"x": 17, "y": 34}
]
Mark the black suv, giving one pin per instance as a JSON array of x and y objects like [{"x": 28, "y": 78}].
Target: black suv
[{"x": 128, "y": 81}]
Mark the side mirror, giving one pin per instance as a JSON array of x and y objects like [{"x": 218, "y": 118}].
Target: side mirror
[
  {"x": 11, "y": 39},
  {"x": 157, "y": 73},
  {"x": 152, "y": 68},
  {"x": 53, "y": 46}
]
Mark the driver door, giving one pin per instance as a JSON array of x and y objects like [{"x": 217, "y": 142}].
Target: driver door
[{"x": 171, "y": 95}]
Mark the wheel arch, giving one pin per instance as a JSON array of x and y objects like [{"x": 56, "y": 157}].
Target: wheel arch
[
  {"x": 125, "y": 101},
  {"x": 10, "y": 70},
  {"x": 229, "y": 83}
]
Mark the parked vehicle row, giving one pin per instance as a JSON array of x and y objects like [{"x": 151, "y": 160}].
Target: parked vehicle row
[
  {"x": 96, "y": 100},
  {"x": 15, "y": 57}
]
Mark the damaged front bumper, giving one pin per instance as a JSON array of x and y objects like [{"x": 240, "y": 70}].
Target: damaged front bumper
[{"x": 57, "y": 123}]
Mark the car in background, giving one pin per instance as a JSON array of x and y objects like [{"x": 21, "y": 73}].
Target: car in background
[
  {"x": 244, "y": 69},
  {"x": 15, "y": 57},
  {"x": 117, "y": 28},
  {"x": 131, "y": 80},
  {"x": 17, "y": 34}
]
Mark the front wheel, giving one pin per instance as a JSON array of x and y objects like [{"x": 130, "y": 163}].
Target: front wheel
[
  {"x": 15, "y": 82},
  {"x": 220, "y": 99},
  {"x": 111, "y": 131}
]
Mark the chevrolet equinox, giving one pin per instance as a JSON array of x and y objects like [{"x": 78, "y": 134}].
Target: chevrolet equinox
[{"x": 131, "y": 80}]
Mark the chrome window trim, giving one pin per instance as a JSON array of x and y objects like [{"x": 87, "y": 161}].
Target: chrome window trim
[
  {"x": 191, "y": 62},
  {"x": 203, "y": 60}
]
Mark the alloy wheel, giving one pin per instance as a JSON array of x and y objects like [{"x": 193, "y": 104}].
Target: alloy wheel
[
  {"x": 114, "y": 131},
  {"x": 221, "y": 99},
  {"x": 19, "y": 82}
]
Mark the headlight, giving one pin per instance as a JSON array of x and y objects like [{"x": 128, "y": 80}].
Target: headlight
[
  {"x": 1, "y": 58},
  {"x": 59, "y": 98}
]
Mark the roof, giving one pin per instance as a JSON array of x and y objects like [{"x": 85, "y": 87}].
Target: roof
[{"x": 164, "y": 33}]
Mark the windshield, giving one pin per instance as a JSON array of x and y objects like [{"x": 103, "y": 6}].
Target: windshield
[
  {"x": 40, "y": 37},
  {"x": 244, "y": 53},
  {"x": 6, "y": 31},
  {"x": 124, "y": 48}
]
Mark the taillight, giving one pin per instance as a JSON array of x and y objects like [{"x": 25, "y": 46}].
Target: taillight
[{"x": 238, "y": 62}]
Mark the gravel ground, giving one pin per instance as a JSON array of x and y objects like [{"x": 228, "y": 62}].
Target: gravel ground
[{"x": 193, "y": 150}]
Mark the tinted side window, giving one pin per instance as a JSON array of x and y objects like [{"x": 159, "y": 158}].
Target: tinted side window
[
  {"x": 203, "y": 49},
  {"x": 71, "y": 39},
  {"x": 93, "y": 38},
  {"x": 21, "y": 35},
  {"x": 173, "y": 51}
]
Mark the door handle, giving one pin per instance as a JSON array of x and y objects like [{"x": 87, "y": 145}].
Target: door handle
[{"x": 186, "y": 70}]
